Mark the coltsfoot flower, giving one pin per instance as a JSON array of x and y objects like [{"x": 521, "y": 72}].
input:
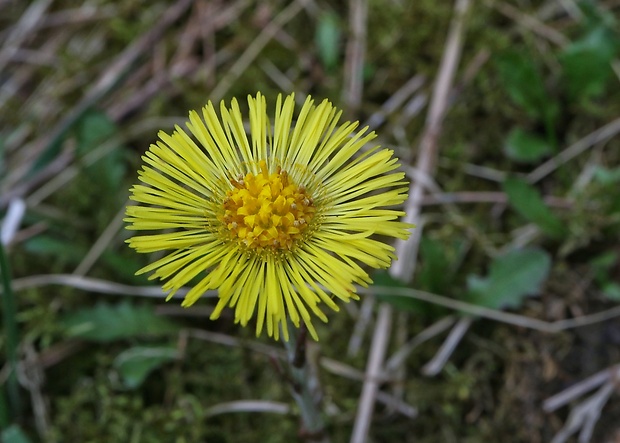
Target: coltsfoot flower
[{"x": 278, "y": 219}]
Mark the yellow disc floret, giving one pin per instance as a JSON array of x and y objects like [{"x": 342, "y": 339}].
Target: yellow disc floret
[{"x": 267, "y": 210}]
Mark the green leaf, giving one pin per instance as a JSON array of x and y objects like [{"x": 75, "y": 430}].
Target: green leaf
[
  {"x": 604, "y": 261},
  {"x": 526, "y": 147},
  {"x": 526, "y": 200},
  {"x": 327, "y": 39},
  {"x": 123, "y": 266},
  {"x": 525, "y": 85},
  {"x": 511, "y": 278},
  {"x": 14, "y": 434},
  {"x": 611, "y": 291},
  {"x": 61, "y": 249},
  {"x": 105, "y": 322},
  {"x": 137, "y": 363},
  {"x": 94, "y": 129},
  {"x": 607, "y": 176},
  {"x": 586, "y": 63},
  {"x": 434, "y": 273},
  {"x": 601, "y": 268}
]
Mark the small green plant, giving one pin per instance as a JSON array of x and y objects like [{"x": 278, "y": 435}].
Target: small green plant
[
  {"x": 526, "y": 201},
  {"x": 512, "y": 277}
]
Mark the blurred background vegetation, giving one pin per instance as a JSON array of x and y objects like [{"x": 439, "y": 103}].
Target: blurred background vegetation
[{"x": 521, "y": 215}]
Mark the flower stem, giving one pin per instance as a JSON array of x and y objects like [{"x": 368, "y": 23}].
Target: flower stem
[{"x": 302, "y": 384}]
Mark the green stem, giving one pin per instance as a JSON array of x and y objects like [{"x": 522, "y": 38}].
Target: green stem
[
  {"x": 301, "y": 380},
  {"x": 10, "y": 333}
]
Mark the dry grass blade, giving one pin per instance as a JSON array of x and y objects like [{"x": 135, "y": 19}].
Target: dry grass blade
[
  {"x": 112, "y": 288},
  {"x": 395, "y": 101},
  {"x": 106, "y": 82},
  {"x": 463, "y": 197},
  {"x": 102, "y": 242},
  {"x": 96, "y": 285},
  {"x": 406, "y": 251},
  {"x": 601, "y": 135},
  {"x": 578, "y": 389},
  {"x": 362, "y": 323},
  {"x": 378, "y": 348},
  {"x": 356, "y": 54},
  {"x": 492, "y": 314},
  {"x": 20, "y": 32},
  {"x": 398, "y": 359},
  {"x": 584, "y": 416},
  {"x": 434, "y": 366},
  {"x": 531, "y": 23},
  {"x": 252, "y": 51},
  {"x": 183, "y": 64}
]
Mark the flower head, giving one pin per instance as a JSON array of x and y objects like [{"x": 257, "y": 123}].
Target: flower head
[{"x": 279, "y": 222}]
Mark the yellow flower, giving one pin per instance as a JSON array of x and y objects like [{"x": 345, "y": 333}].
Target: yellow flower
[{"x": 279, "y": 222}]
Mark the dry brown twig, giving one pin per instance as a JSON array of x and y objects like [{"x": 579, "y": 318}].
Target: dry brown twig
[
  {"x": 578, "y": 389},
  {"x": 253, "y": 50},
  {"x": 68, "y": 173},
  {"x": 183, "y": 64},
  {"x": 355, "y": 54},
  {"x": 396, "y": 101},
  {"x": 600, "y": 135},
  {"x": 531, "y": 23},
  {"x": 85, "y": 13},
  {"x": 362, "y": 325},
  {"x": 107, "y": 287},
  {"x": 102, "y": 86},
  {"x": 463, "y": 197},
  {"x": 398, "y": 359},
  {"x": 406, "y": 251},
  {"x": 436, "y": 364},
  {"x": 279, "y": 78},
  {"x": 585, "y": 414},
  {"x": 24, "y": 28},
  {"x": 100, "y": 245}
]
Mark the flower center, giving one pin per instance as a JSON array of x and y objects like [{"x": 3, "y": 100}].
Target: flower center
[{"x": 267, "y": 210}]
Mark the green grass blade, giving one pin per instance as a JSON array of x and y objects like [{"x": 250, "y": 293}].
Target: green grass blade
[{"x": 10, "y": 332}]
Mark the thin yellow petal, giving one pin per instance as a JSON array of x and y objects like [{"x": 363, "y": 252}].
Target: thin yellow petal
[{"x": 280, "y": 219}]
